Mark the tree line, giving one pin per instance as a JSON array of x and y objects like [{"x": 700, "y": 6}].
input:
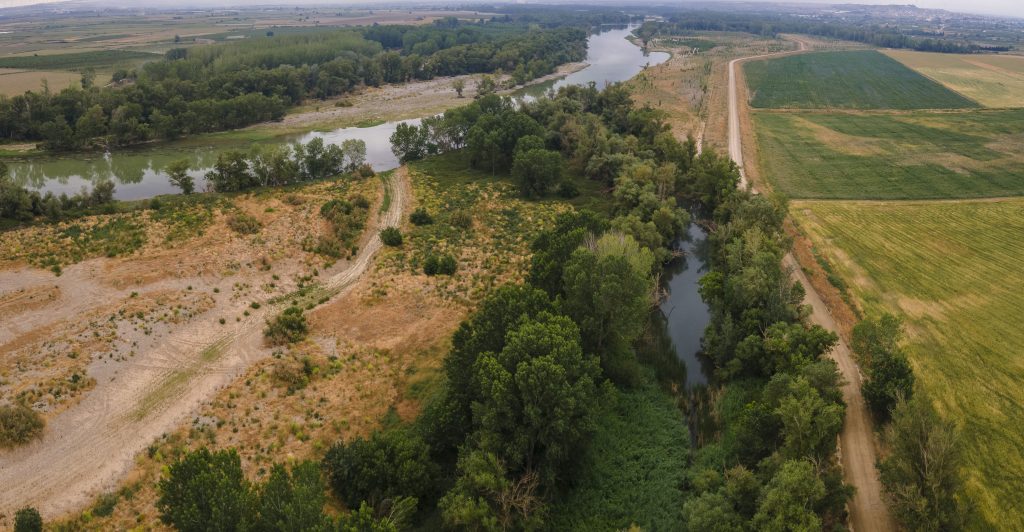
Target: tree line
[
  {"x": 225, "y": 86},
  {"x": 773, "y": 25}
]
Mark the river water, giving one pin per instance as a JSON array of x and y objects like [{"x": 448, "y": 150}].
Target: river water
[
  {"x": 139, "y": 173},
  {"x": 683, "y": 313}
]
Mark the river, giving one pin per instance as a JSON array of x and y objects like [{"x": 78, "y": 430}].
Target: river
[{"x": 139, "y": 172}]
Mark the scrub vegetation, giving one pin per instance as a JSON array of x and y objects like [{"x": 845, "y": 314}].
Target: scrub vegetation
[
  {"x": 859, "y": 79},
  {"x": 952, "y": 270},
  {"x": 919, "y": 155}
]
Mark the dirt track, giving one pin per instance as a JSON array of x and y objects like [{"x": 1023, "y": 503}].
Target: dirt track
[
  {"x": 88, "y": 447},
  {"x": 868, "y": 511}
]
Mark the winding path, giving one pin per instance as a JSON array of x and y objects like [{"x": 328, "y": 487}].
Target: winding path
[
  {"x": 90, "y": 446},
  {"x": 868, "y": 511}
]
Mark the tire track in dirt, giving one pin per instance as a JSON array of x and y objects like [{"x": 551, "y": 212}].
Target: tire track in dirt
[
  {"x": 868, "y": 510},
  {"x": 90, "y": 446}
]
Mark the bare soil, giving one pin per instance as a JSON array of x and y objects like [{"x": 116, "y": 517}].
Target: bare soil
[{"x": 172, "y": 326}]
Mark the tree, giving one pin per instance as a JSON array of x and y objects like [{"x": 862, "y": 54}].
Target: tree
[
  {"x": 712, "y": 512},
  {"x": 536, "y": 171},
  {"x": 409, "y": 142},
  {"x": 231, "y": 173},
  {"x": 177, "y": 174},
  {"x": 206, "y": 491},
  {"x": 386, "y": 466},
  {"x": 552, "y": 248},
  {"x": 485, "y": 86},
  {"x": 608, "y": 293},
  {"x": 354, "y": 152},
  {"x": 788, "y": 501},
  {"x": 921, "y": 475},
  {"x": 292, "y": 501},
  {"x": 536, "y": 397},
  {"x": 459, "y": 85},
  {"x": 485, "y": 498},
  {"x": 874, "y": 336},
  {"x": 92, "y": 124},
  {"x": 809, "y": 423},
  {"x": 28, "y": 519}
]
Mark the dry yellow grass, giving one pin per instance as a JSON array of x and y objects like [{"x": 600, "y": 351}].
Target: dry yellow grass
[
  {"x": 15, "y": 81},
  {"x": 955, "y": 271},
  {"x": 991, "y": 80}
]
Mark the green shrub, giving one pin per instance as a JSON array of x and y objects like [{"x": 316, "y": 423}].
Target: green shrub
[
  {"x": 244, "y": 224},
  {"x": 391, "y": 236},
  {"x": 288, "y": 327},
  {"x": 365, "y": 170},
  {"x": 440, "y": 265},
  {"x": 421, "y": 217},
  {"x": 568, "y": 190},
  {"x": 105, "y": 505},
  {"x": 388, "y": 465},
  {"x": 18, "y": 425},
  {"x": 28, "y": 519}
]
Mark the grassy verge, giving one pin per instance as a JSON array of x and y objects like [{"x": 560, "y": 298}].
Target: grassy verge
[{"x": 954, "y": 271}]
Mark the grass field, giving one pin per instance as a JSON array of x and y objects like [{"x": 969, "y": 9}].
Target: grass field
[
  {"x": 15, "y": 81},
  {"x": 77, "y": 61},
  {"x": 859, "y": 79},
  {"x": 991, "y": 80},
  {"x": 921, "y": 155},
  {"x": 955, "y": 271}
]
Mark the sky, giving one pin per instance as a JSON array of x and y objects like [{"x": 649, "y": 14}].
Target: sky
[{"x": 1014, "y": 8}]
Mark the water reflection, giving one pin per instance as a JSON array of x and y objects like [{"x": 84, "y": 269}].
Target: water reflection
[
  {"x": 684, "y": 313},
  {"x": 139, "y": 173}
]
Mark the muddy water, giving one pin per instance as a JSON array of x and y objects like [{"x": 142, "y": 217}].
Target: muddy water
[
  {"x": 683, "y": 314},
  {"x": 140, "y": 173}
]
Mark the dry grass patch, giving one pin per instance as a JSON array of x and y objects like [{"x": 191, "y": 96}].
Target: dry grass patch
[{"x": 991, "y": 80}]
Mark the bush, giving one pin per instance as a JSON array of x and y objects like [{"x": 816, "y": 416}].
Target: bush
[
  {"x": 388, "y": 465},
  {"x": 365, "y": 170},
  {"x": 421, "y": 217},
  {"x": 28, "y": 520},
  {"x": 391, "y": 236},
  {"x": 288, "y": 327},
  {"x": 18, "y": 425},
  {"x": 462, "y": 219},
  {"x": 443, "y": 265},
  {"x": 244, "y": 224},
  {"x": 568, "y": 190}
]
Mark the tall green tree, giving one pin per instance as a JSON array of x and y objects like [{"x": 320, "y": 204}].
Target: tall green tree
[
  {"x": 788, "y": 500},
  {"x": 536, "y": 171},
  {"x": 536, "y": 397},
  {"x": 292, "y": 500},
  {"x": 206, "y": 491},
  {"x": 921, "y": 474},
  {"x": 609, "y": 293}
]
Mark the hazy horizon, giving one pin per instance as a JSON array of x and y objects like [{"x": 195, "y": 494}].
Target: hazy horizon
[{"x": 983, "y": 7}]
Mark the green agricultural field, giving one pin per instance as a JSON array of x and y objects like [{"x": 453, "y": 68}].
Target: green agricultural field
[
  {"x": 77, "y": 61},
  {"x": 955, "y": 271},
  {"x": 860, "y": 79},
  {"x": 920, "y": 155},
  {"x": 992, "y": 80}
]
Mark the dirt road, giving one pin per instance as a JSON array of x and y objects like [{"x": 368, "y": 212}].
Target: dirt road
[
  {"x": 88, "y": 447},
  {"x": 868, "y": 511}
]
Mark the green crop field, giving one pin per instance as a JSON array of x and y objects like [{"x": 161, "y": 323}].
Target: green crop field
[
  {"x": 76, "y": 61},
  {"x": 920, "y": 155},
  {"x": 955, "y": 271},
  {"x": 860, "y": 79}
]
